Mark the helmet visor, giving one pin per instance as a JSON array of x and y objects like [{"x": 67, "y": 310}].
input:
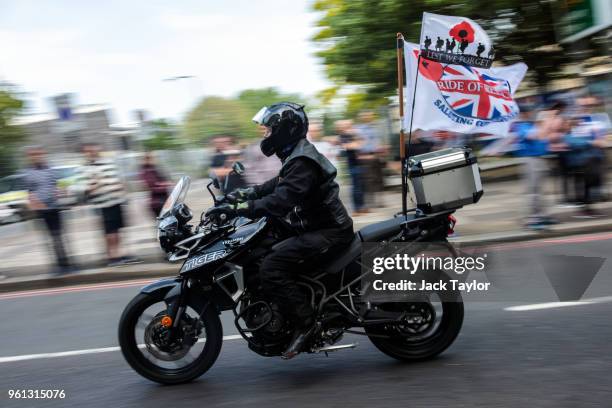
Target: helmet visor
[{"x": 260, "y": 116}]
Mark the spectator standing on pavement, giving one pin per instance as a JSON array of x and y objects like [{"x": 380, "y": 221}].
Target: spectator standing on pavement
[
  {"x": 329, "y": 150},
  {"x": 419, "y": 144},
  {"x": 557, "y": 146},
  {"x": 104, "y": 190},
  {"x": 41, "y": 183},
  {"x": 371, "y": 157},
  {"x": 156, "y": 183},
  {"x": 584, "y": 159},
  {"x": 534, "y": 139},
  {"x": 351, "y": 144},
  {"x": 259, "y": 167},
  {"x": 226, "y": 153},
  {"x": 597, "y": 125}
]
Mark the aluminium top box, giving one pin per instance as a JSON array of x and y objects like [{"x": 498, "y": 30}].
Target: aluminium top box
[{"x": 445, "y": 179}]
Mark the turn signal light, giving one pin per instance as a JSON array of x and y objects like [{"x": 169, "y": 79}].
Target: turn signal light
[{"x": 166, "y": 321}]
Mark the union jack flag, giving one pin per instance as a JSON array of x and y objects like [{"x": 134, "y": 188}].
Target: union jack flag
[{"x": 474, "y": 94}]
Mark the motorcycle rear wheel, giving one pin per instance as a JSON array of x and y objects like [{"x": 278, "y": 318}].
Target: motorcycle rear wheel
[
  {"x": 142, "y": 365},
  {"x": 405, "y": 348}
]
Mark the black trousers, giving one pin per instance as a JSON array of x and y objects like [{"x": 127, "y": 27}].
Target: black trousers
[
  {"x": 293, "y": 256},
  {"x": 53, "y": 221}
]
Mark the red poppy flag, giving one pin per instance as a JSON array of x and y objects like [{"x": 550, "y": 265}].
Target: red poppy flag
[
  {"x": 455, "y": 40},
  {"x": 460, "y": 98}
]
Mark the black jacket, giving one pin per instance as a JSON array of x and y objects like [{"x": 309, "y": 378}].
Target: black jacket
[{"x": 304, "y": 194}]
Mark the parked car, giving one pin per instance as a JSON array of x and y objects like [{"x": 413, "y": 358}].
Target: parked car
[
  {"x": 71, "y": 193},
  {"x": 8, "y": 215},
  {"x": 14, "y": 199}
]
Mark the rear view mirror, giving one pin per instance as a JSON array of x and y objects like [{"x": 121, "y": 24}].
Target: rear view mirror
[{"x": 238, "y": 168}]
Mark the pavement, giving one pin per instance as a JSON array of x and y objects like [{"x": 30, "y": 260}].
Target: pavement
[
  {"x": 509, "y": 354},
  {"x": 498, "y": 217}
]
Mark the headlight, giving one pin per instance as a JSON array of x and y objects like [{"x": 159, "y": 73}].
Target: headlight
[{"x": 168, "y": 232}]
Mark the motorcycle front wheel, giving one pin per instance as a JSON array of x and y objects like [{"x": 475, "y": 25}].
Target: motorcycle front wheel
[{"x": 152, "y": 353}]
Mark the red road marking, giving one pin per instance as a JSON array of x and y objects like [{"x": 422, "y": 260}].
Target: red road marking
[{"x": 76, "y": 288}]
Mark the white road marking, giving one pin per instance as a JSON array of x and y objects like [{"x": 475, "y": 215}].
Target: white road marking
[
  {"x": 553, "y": 305},
  {"x": 79, "y": 352}
]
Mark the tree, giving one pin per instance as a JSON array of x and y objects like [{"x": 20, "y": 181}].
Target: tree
[
  {"x": 232, "y": 117},
  {"x": 10, "y": 135},
  {"x": 215, "y": 116},
  {"x": 163, "y": 136},
  {"x": 254, "y": 99},
  {"x": 357, "y": 37}
]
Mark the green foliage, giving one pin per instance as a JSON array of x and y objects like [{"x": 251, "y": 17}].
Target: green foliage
[
  {"x": 10, "y": 135},
  {"x": 254, "y": 99},
  {"x": 231, "y": 117},
  {"x": 357, "y": 37},
  {"x": 215, "y": 116},
  {"x": 163, "y": 136}
]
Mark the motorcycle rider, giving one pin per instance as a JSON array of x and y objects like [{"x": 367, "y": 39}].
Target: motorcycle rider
[{"x": 304, "y": 196}]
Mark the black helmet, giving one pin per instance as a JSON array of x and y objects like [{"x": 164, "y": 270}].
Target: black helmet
[{"x": 287, "y": 123}]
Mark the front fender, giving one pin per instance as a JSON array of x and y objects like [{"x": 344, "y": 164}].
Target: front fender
[
  {"x": 162, "y": 285},
  {"x": 171, "y": 288}
]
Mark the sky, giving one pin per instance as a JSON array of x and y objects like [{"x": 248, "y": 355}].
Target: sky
[{"x": 119, "y": 52}]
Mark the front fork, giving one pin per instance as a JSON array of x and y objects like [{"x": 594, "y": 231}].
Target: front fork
[{"x": 177, "y": 301}]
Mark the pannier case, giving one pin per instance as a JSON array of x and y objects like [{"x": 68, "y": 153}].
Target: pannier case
[{"x": 445, "y": 179}]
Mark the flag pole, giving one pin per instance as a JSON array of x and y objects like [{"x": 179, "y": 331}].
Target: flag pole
[{"x": 400, "y": 84}]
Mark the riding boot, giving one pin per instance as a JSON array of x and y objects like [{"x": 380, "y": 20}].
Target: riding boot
[{"x": 301, "y": 336}]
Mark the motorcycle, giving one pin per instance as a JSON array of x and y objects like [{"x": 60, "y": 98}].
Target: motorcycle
[{"x": 171, "y": 331}]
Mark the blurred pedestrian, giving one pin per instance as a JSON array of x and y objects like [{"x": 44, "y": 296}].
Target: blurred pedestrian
[
  {"x": 351, "y": 144},
  {"x": 556, "y": 126},
  {"x": 156, "y": 183},
  {"x": 41, "y": 183},
  {"x": 585, "y": 162},
  {"x": 419, "y": 144},
  {"x": 226, "y": 153},
  {"x": 316, "y": 137},
  {"x": 371, "y": 157},
  {"x": 534, "y": 139},
  {"x": 259, "y": 167},
  {"x": 105, "y": 191},
  {"x": 597, "y": 125}
]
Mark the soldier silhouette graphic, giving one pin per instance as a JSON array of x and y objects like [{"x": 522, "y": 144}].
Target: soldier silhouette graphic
[
  {"x": 491, "y": 53},
  {"x": 480, "y": 49},
  {"x": 427, "y": 42},
  {"x": 453, "y": 44},
  {"x": 463, "y": 46},
  {"x": 450, "y": 46},
  {"x": 439, "y": 44}
]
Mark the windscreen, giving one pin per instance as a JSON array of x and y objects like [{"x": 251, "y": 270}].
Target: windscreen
[{"x": 176, "y": 196}]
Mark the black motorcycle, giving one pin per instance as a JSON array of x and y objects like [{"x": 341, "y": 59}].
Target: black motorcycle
[{"x": 171, "y": 332}]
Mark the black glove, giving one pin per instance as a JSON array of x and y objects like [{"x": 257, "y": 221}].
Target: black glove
[
  {"x": 230, "y": 210},
  {"x": 240, "y": 195}
]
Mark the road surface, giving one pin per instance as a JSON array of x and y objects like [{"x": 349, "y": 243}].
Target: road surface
[{"x": 507, "y": 355}]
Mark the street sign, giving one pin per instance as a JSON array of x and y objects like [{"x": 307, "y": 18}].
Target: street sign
[{"x": 578, "y": 19}]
